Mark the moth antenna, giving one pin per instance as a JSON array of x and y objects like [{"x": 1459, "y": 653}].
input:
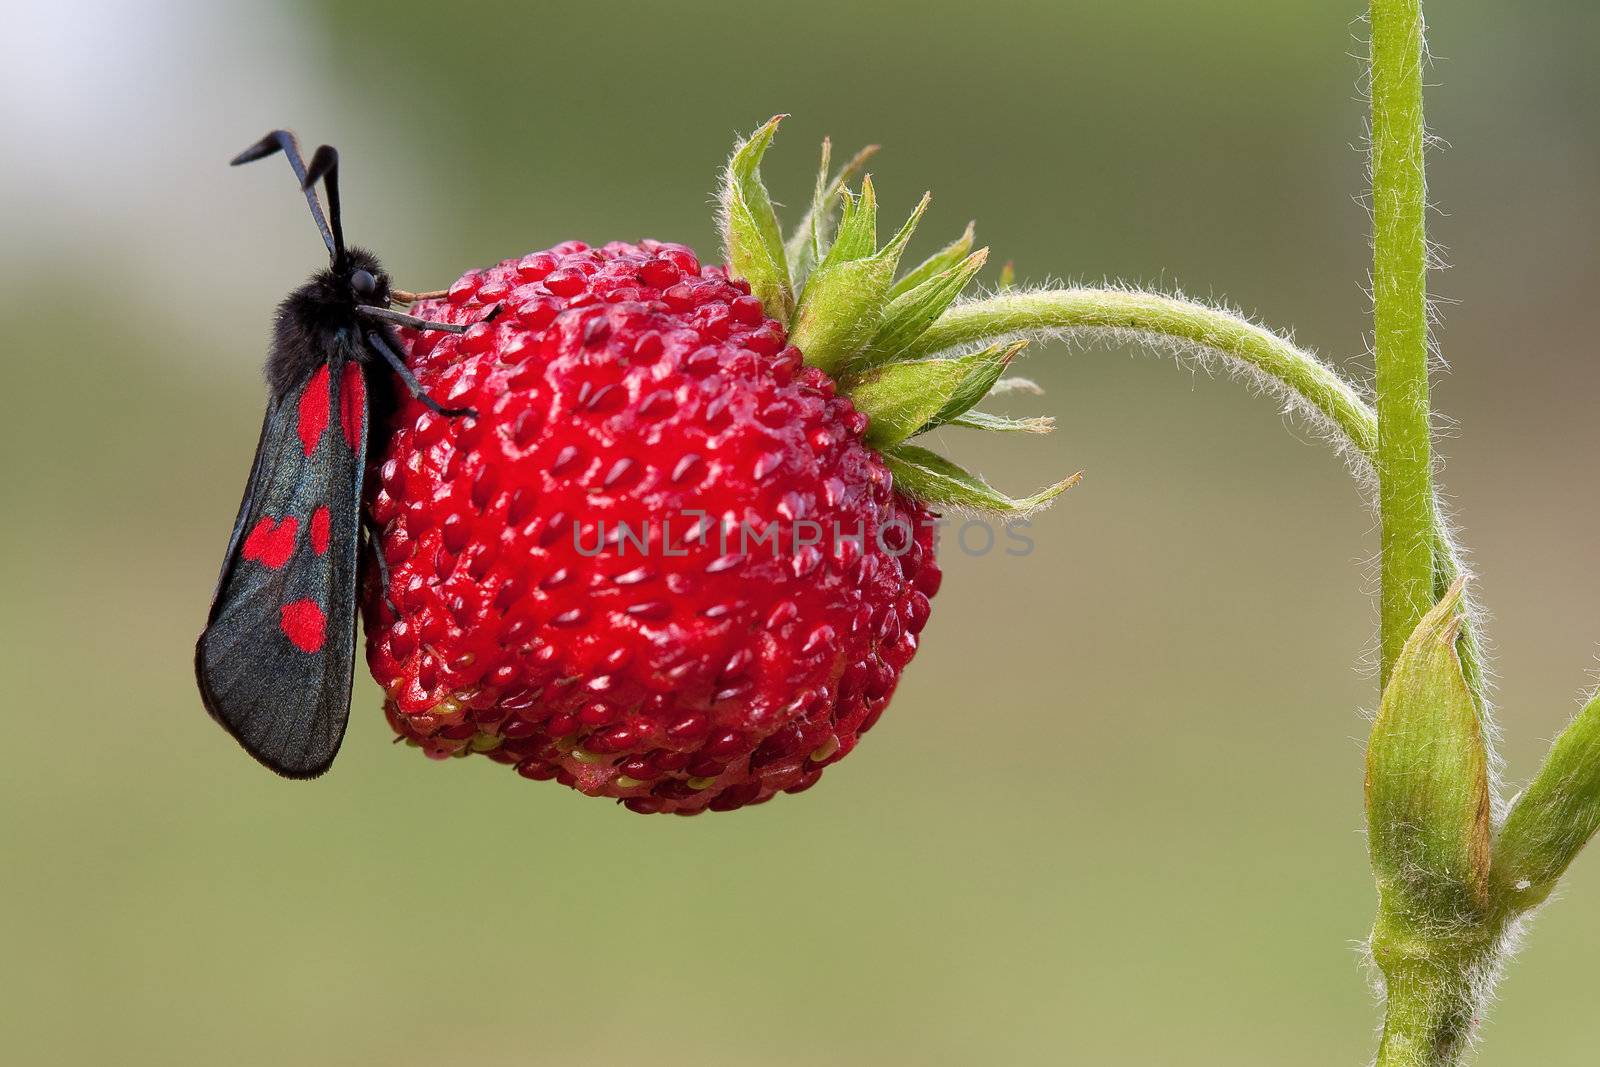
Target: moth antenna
[
  {"x": 284, "y": 141},
  {"x": 325, "y": 168}
]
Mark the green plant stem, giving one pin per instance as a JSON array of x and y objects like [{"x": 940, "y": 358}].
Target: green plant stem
[
  {"x": 1553, "y": 818},
  {"x": 1163, "y": 318},
  {"x": 1162, "y": 322},
  {"x": 1431, "y": 1011},
  {"x": 1432, "y": 990},
  {"x": 1400, "y": 324}
]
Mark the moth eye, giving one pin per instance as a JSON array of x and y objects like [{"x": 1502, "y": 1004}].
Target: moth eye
[{"x": 363, "y": 283}]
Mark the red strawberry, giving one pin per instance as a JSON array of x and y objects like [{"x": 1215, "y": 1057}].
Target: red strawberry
[{"x": 669, "y": 561}]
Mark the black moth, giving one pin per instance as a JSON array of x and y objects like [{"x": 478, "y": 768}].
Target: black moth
[{"x": 276, "y": 659}]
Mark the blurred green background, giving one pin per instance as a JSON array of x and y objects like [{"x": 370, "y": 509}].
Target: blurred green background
[{"x": 1114, "y": 816}]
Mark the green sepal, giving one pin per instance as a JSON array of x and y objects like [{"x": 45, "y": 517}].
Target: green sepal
[
  {"x": 938, "y": 263},
  {"x": 845, "y": 295},
  {"x": 932, "y": 479},
  {"x": 1427, "y": 786},
  {"x": 857, "y": 236},
  {"x": 838, "y": 313},
  {"x": 812, "y": 238},
  {"x": 909, "y": 315},
  {"x": 1008, "y": 277},
  {"x": 751, "y": 239},
  {"x": 890, "y": 253},
  {"x": 902, "y": 398},
  {"x": 985, "y": 369},
  {"x": 982, "y": 420}
]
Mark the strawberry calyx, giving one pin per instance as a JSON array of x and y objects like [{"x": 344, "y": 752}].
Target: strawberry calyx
[{"x": 854, "y": 315}]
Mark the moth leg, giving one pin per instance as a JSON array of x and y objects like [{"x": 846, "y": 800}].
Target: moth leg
[
  {"x": 400, "y": 318},
  {"x": 391, "y": 357},
  {"x": 375, "y": 546}
]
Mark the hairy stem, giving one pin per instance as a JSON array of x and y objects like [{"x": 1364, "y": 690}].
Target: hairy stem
[
  {"x": 1432, "y": 990},
  {"x": 1162, "y": 321},
  {"x": 1553, "y": 818},
  {"x": 1168, "y": 319},
  {"x": 1400, "y": 323},
  {"x": 1431, "y": 1012}
]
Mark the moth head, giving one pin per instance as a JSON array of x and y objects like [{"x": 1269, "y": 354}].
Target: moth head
[{"x": 363, "y": 280}]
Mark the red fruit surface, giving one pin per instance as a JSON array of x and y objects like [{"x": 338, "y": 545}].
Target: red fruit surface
[{"x": 582, "y": 587}]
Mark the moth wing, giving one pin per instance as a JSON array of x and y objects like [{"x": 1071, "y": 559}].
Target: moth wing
[{"x": 275, "y": 662}]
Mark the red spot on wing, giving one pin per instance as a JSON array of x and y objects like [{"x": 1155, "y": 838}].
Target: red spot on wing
[
  {"x": 314, "y": 410},
  {"x": 304, "y": 624},
  {"x": 272, "y": 541},
  {"x": 352, "y": 404},
  {"x": 319, "y": 530}
]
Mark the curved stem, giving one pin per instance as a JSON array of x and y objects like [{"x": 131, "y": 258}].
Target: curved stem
[{"x": 1163, "y": 321}]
